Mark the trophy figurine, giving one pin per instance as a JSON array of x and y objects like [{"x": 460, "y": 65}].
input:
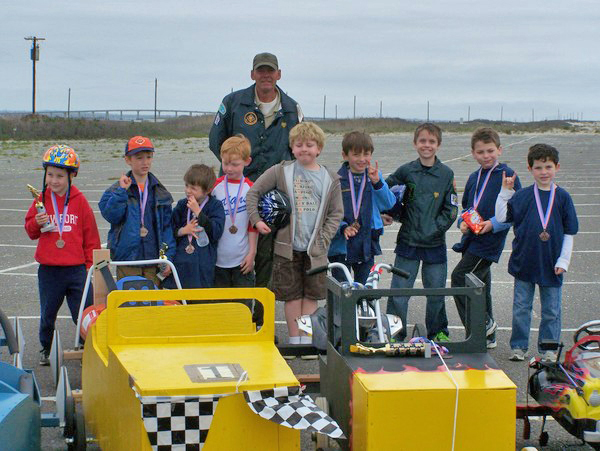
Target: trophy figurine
[
  {"x": 40, "y": 208},
  {"x": 162, "y": 266}
]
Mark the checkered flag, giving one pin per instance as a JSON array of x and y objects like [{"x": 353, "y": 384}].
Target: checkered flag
[
  {"x": 179, "y": 422},
  {"x": 286, "y": 406}
]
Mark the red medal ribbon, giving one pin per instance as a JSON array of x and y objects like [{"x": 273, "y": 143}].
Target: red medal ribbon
[
  {"x": 237, "y": 199},
  {"x": 356, "y": 203},
  {"x": 544, "y": 218},
  {"x": 477, "y": 197}
]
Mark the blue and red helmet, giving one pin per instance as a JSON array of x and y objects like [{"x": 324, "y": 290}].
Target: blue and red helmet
[{"x": 61, "y": 156}]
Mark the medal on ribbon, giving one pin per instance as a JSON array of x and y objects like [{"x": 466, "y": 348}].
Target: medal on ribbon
[
  {"x": 190, "y": 247},
  {"x": 356, "y": 203},
  {"x": 143, "y": 200},
  {"x": 471, "y": 217},
  {"x": 232, "y": 214},
  {"x": 544, "y": 218},
  {"x": 60, "y": 220}
]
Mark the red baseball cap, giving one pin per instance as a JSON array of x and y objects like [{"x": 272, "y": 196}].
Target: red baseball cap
[{"x": 138, "y": 144}]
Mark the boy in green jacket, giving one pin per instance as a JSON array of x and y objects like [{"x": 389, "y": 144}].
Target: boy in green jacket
[{"x": 430, "y": 208}]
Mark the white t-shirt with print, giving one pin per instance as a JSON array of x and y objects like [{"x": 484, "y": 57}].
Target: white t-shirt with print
[{"x": 233, "y": 247}]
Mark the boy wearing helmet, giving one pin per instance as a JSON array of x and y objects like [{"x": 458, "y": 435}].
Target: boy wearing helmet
[
  {"x": 64, "y": 253},
  {"x": 138, "y": 208}
]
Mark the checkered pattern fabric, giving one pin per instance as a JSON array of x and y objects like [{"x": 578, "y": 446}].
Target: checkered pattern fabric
[
  {"x": 287, "y": 406},
  {"x": 178, "y": 423}
]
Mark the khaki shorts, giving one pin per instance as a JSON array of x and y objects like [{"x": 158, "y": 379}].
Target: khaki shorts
[{"x": 290, "y": 281}]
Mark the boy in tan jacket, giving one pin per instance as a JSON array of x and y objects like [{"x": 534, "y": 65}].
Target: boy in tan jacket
[{"x": 317, "y": 210}]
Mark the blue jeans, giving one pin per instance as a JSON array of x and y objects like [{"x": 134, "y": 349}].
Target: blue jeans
[
  {"x": 434, "y": 276},
  {"x": 550, "y": 299}
]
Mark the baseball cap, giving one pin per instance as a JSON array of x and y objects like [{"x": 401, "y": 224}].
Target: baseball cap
[
  {"x": 265, "y": 59},
  {"x": 138, "y": 144}
]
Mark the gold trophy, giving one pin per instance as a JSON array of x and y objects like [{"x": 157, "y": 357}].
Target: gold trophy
[
  {"x": 162, "y": 266},
  {"x": 40, "y": 208},
  {"x": 393, "y": 349}
]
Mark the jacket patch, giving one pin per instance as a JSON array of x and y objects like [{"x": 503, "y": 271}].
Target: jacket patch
[
  {"x": 222, "y": 109},
  {"x": 217, "y": 119},
  {"x": 250, "y": 118},
  {"x": 454, "y": 200}
]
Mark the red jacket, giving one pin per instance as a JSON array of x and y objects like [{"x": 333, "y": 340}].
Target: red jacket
[{"x": 80, "y": 232}]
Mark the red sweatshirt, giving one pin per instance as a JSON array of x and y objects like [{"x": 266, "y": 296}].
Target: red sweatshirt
[{"x": 80, "y": 232}]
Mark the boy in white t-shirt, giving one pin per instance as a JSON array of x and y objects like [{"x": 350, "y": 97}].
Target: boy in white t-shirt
[{"x": 237, "y": 247}]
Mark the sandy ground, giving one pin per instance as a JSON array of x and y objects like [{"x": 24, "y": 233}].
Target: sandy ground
[{"x": 102, "y": 164}]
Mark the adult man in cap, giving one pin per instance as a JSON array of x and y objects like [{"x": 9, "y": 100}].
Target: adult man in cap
[{"x": 264, "y": 114}]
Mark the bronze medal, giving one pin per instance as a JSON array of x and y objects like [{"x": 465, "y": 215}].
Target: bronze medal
[
  {"x": 544, "y": 236},
  {"x": 355, "y": 225},
  {"x": 189, "y": 248},
  {"x": 143, "y": 231},
  {"x": 60, "y": 243},
  {"x": 233, "y": 228}
]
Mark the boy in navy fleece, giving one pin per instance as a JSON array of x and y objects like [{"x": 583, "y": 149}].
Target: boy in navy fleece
[
  {"x": 483, "y": 247},
  {"x": 365, "y": 195},
  {"x": 544, "y": 221},
  {"x": 197, "y": 213}
]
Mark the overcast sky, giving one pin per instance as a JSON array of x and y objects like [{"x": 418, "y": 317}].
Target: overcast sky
[{"x": 516, "y": 55}]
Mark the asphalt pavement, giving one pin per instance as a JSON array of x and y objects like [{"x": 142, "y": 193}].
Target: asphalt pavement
[{"x": 102, "y": 164}]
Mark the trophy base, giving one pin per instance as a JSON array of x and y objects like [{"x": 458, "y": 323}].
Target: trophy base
[{"x": 47, "y": 228}]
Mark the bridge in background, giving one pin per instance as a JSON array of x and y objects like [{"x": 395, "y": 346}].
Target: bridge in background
[{"x": 117, "y": 115}]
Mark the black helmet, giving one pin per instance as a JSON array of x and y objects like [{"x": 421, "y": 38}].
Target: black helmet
[{"x": 275, "y": 208}]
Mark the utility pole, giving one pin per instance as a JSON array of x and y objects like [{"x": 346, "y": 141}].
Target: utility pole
[
  {"x": 354, "y": 117},
  {"x": 532, "y": 115},
  {"x": 336, "y": 111},
  {"x": 380, "y": 108},
  {"x": 469, "y": 114},
  {"x": 501, "y": 113},
  {"x": 69, "y": 105},
  {"x": 155, "y": 96},
  {"x": 35, "y": 56},
  {"x": 428, "y": 111},
  {"x": 324, "y": 104}
]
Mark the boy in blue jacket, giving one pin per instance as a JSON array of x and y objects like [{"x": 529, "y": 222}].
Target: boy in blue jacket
[
  {"x": 483, "y": 246},
  {"x": 197, "y": 214},
  {"x": 365, "y": 195},
  {"x": 138, "y": 208}
]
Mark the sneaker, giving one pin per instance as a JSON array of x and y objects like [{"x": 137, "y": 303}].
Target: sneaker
[
  {"x": 490, "y": 327},
  {"x": 441, "y": 337},
  {"x": 549, "y": 356},
  {"x": 309, "y": 357},
  {"x": 491, "y": 343},
  {"x": 518, "y": 355},
  {"x": 45, "y": 357}
]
